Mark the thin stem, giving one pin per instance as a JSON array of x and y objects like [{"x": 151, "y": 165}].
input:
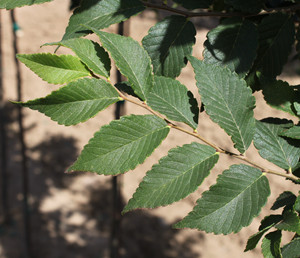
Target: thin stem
[
  {"x": 219, "y": 14},
  {"x": 218, "y": 149},
  {"x": 187, "y": 13}
]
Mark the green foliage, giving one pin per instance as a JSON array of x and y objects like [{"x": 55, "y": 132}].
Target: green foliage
[
  {"x": 55, "y": 69},
  {"x": 231, "y": 203},
  {"x": 122, "y": 145},
  {"x": 11, "y": 4},
  {"x": 168, "y": 43},
  {"x": 244, "y": 53},
  {"x": 176, "y": 176},
  {"x": 172, "y": 99},
  {"x": 76, "y": 102},
  {"x": 233, "y": 44},
  {"x": 227, "y": 100}
]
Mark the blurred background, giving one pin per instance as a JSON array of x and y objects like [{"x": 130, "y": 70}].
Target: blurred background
[{"x": 51, "y": 214}]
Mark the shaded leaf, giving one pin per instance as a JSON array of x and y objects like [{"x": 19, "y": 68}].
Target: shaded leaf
[
  {"x": 280, "y": 95},
  {"x": 131, "y": 59},
  {"x": 271, "y": 245},
  {"x": 227, "y": 100},
  {"x": 230, "y": 204},
  {"x": 100, "y": 14},
  {"x": 276, "y": 36},
  {"x": 11, "y": 4},
  {"x": 266, "y": 224},
  {"x": 273, "y": 147},
  {"x": 175, "y": 177},
  {"x": 168, "y": 43},
  {"x": 125, "y": 87},
  {"x": 122, "y": 145},
  {"x": 233, "y": 44},
  {"x": 192, "y": 4},
  {"x": 53, "y": 68},
  {"x": 284, "y": 199},
  {"x": 292, "y": 249},
  {"x": 297, "y": 204},
  {"x": 90, "y": 53},
  {"x": 293, "y": 132},
  {"x": 250, "y": 6},
  {"x": 172, "y": 99},
  {"x": 76, "y": 102},
  {"x": 290, "y": 222}
]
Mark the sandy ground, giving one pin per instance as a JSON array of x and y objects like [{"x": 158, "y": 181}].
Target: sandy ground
[{"x": 71, "y": 214}]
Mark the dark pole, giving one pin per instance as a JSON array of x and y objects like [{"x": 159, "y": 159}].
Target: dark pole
[
  {"x": 24, "y": 162},
  {"x": 3, "y": 154},
  {"x": 115, "y": 241}
]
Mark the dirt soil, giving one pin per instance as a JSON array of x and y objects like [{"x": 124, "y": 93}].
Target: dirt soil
[{"x": 70, "y": 214}]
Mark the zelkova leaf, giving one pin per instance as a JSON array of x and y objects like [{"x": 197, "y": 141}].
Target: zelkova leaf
[
  {"x": 53, "y": 68},
  {"x": 276, "y": 36},
  {"x": 266, "y": 224},
  {"x": 274, "y": 148},
  {"x": 285, "y": 199},
  {"x": 11, "y": 4},
  {"x": 280, "y": 95},
  {"x": 175, "y": 177},
  {"x": 233, "y": 44},
  {"x": 290, "y": 222},
  {"x": 227, "y": 100},
  {"x": 250, "y": 6},
  {"x": 230, "y": 204},
  {"x": 131, "y": 59},
  {"x": 293, "y": 132},
  {"x": 297, "y": 107},
  {"x": 172, "y": 99},
  {"x": 76, "y": 102},
  {"x": 100, "y": 14},
  {"x": 292, "y": 249},
  {"x": 168, "y": 43},
  {"x": 271, "y": 245},
  {"x": 90, "y": 53},
  {"x": 122, "y": 145}
]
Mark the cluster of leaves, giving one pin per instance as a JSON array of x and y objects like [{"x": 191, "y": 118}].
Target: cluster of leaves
[{"x": 244, "y": 53}]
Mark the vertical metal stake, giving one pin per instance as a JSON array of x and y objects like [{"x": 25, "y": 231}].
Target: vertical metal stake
[{"x": 24, "y": 162}]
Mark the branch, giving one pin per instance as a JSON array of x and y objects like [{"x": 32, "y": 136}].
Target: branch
[
  {"x": 219, "y": 14},
  {"x": 196, "y": 135},
  {"x": 187, "y": 13}
]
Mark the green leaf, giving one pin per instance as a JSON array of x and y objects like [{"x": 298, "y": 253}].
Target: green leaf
[
  {"x": 267, "y": 223},
  {"x": 192, "y": 4},
  {"x": 292, "y": 249},
  {"x": 273, "y": 147},
  {"x": 233, "y": 44},
  {"x": 122, "y": 145},
  {"x": 168, "y": 43},
  {"x": 297, "y": 107},
  {"x": 271, "y": 245},
  {"x": 175, "y": 177},
  {"x": 290, "y": 222},
  {"x": 53, "y": 68},
  {"x": 90, "y": 53},
  {"x": 284, "y": 199},
  {"x": 276, "y": 37},
  {"x": 227, "y": 100},
  {"x": 131, "y": 59},
  {"x": 172, "y": 99},
  {"x": 76, "y": 102},
  {"x": 231, "y": 203},
  {"x": 293, "y": 133},
  {"x": 297, "y": 204},
  {"x": 250, "y": 6},
  {"x": 100, "y": 14},
  {"x": 11, "y": 4},
  {"x": 280, "y": 95}
]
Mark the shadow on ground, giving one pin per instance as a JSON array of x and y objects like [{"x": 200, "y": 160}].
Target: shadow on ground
[{"x": 79, "y": 226}]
